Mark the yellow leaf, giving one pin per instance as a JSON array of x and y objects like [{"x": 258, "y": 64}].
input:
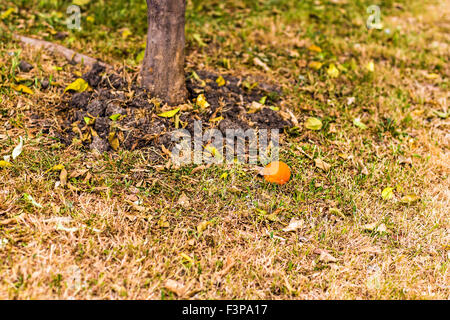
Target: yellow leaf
[
  {"x": 163, "y": 223},
  {"x": 169, "y": 114},
  {"x": 224, "y": 175},
  {"x": 201, "y": 101},
  {"x": 332, "y": 71},
  {"x": 90, "y": 19},
  {"x": 78, "y": 85},
  {"x": 410, "y": 198},
  {"x": 57, "y": 167},
  {"x": 202, "y": 226},
  {"x": 218, "y": 119},
  {"x": 431, "y": 76},
  {"x": 220, "y": 81},
  {"x": 313, "y": 124},
  {"x": 126, "y": 33},
  {"x": 315, "y": 65},
  {"x": 7, "y": 13},
  {"x": 196, "y": 77},
  {"x": 387, "y": 193},
  {"x": 314, "y": 48},
  {"x": 22, "y": 88},
  {"x": 370, "y": 66},
  {"x": 186, "y": 257},
  {"x": 5, "y": 164},
  {"x": 80, "y": 2},
  {"x": 113, "y": 140}
]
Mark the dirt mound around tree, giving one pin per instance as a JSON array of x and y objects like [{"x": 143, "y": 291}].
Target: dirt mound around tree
[{"x": 118, "y": 113}]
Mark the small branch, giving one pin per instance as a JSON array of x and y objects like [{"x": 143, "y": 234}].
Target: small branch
[{"x": 69, "y": 54}]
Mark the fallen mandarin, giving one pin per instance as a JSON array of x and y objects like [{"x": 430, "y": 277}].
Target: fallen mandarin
[{"x": 277, "y": 172}]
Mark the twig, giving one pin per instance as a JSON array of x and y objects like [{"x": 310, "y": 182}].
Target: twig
[{"x": 69, "y": 54}]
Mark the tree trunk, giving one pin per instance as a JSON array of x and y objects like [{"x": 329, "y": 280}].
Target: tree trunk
[{"x": 163, "y": 66}]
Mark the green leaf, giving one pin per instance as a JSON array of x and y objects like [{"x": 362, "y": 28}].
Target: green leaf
[
  {"x": 115, "y": 117},
  {"x": 169, "y": 114},
  {"x": 78, "y": 85},
  {"x": 313, "y": 124},
  {"x": 263, "y": 100},
  {"x": 88, "y": 120},
  {"x": 31, "y": 200},
  {"x": 140, "y": 56},
  {"x": 199, "y": 40},
  {"x": 357, "y": 122}
]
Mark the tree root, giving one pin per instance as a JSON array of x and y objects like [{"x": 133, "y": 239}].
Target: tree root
[{"x": 70, "y": 55}]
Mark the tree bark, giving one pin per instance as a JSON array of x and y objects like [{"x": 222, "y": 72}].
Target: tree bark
[{"x": 163, "y": 66}]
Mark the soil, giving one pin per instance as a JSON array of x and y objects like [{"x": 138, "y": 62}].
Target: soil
[{"x": 139, "y": 126}]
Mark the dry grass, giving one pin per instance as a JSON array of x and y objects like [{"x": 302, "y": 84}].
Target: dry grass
[{"x": 91, "y": 241}]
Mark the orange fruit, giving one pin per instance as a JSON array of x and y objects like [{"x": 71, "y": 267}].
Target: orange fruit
[{"x": 277, "y": 172}]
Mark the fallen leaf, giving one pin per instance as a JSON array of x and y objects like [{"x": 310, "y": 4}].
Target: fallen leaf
[
  {"x": 322, "y": 164},
  {"x": 176, "y": 287},
  {"x": 325, "y": 256},
  {"x": 431, "y": 76},
  {"x": 336, "y": 212},
  {"x": 184, "y": 201},
  {"x": 57, "y": 167},
  {"x": 7, "y": 13},
  {"x": 113, "y": 140},
  {"x": 22, "y": 88},
  {"x": 202, "y": 226},
  {"x": 255, "y": 107},
  {"x": 261, "y": 64},
  {"x": 410, "y": 198},
  {"x": 79, "y": 85},
  {"x": 370, "y": 66},
  {"x": 169, "y": 114},
  {"x": 18, "y": 149},
  {"x": 199, "y": 40},
  {"x": 186, "y": 257},
  {"x": 350, "y": 100},
  {"x": 332, "y": 71},
  {"x": 80, "y": 2},
  {"x": 201, "y": 101},
  {"x": 314, "y": 48},
  {"x": 315, "y": 65},
  {"x": 387, "y": 193},
  {"x": 196, "y": 77},
  {"x": 294, "y": 225},
  {"x": 61, "y": 227},
  {"x": 63, "y": 177},
  {"x": 5, "y": 164},
  {"x": 126, "y": 33},
  {"x": 163, "y": 223},
  {"x": 313, "y": 124},
  {"x": 357, "y": 122},
  {"x": 220, "y": 81},
  {"x": 375, "y": 227},
  {"x": 31, "y": 200}
]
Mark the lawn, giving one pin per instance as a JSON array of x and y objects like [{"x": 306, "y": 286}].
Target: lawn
[{"x": 369, "y": 192}]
